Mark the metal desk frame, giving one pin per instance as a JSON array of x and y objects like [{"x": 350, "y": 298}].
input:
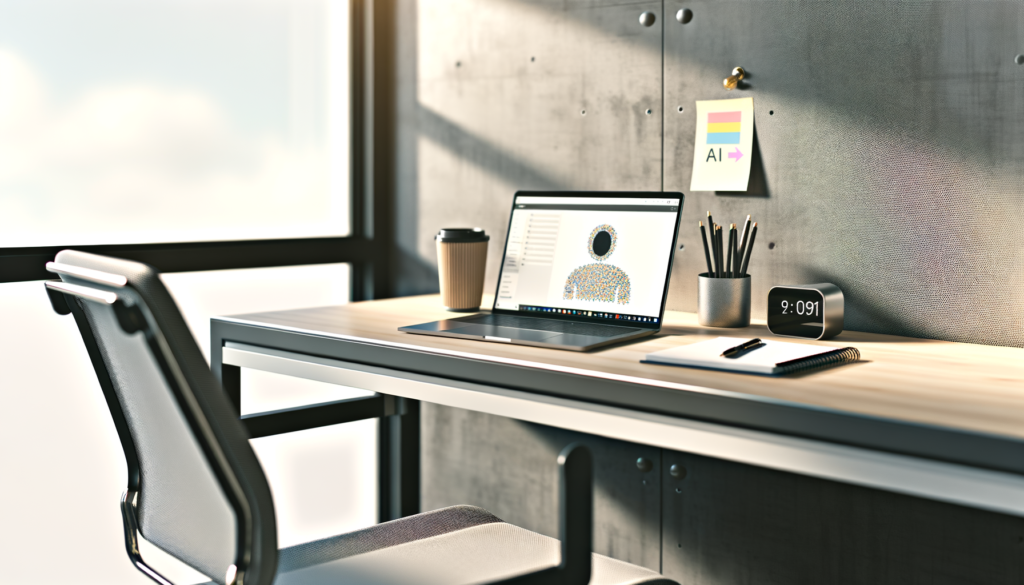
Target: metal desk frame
[{"x": 970, "y": 469}]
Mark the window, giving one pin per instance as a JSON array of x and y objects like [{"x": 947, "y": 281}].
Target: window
[
  {"x": 128, "y": 122},
  {"x": 193, "y": 135}
]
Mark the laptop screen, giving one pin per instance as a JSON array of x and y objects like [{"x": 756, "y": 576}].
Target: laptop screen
[{"x": 602, "y": 257}]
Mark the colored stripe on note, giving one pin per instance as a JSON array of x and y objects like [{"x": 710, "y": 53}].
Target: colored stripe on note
[
  {"x": 724, "y": 127},
  {"x": 723, "y": 138},
  {"x": 723, "y": 117}
]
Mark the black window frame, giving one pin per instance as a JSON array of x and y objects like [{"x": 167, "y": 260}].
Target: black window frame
[{"x": 367, "y": 249}]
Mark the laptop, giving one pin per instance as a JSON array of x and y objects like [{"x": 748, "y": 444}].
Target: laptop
[{"x": 580, "y": 270}]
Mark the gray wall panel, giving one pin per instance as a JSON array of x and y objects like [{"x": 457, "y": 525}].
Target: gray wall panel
[
  {"x": 509, "y": 467},
  {"x": 491, "y": 96},
  {"x": 892, "y": 142},
  {"x": 890, "y": 161},
  {"x": 731, "y": 524}
]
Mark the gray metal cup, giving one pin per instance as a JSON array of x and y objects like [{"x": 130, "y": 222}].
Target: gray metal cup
[{"x": 723, "y": 302}]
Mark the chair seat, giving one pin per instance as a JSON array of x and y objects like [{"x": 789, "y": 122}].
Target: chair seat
[{"x": 451, "y": 546}]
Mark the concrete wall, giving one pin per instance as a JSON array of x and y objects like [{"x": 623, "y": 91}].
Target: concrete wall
[{"x": 890, "y": 140}]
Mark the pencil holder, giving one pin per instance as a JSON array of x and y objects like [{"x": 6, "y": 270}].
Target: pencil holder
[{"x": 723, "y": 302}]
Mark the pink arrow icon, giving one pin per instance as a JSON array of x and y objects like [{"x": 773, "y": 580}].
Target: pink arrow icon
[{"x": 736, "y": 154}]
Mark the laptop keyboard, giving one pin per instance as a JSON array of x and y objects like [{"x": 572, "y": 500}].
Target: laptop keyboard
[{"x": 550, "y": 325}]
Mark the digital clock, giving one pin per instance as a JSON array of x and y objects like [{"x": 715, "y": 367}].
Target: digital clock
[{"x": 811, "y": 311}]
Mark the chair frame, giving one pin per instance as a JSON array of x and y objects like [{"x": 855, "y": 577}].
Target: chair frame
[
  {"x": 135, "y": 318},
  {"x": 575, "y": 462}
]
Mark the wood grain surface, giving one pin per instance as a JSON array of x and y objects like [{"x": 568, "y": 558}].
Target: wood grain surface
[{"x": 956, "y": 385}]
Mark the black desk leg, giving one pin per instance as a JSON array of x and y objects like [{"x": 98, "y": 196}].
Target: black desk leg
[
  {"x": 230, "y": 376},
  {"x": 231, "y": 380},
  {"x": 398, "y": 462},
  {"x": 398, "y": 449}
]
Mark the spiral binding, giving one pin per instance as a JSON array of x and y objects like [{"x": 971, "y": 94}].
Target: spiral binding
[{"x": 839, "y": 356}]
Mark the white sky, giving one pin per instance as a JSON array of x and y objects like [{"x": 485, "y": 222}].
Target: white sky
[{"x": 127, "y": 121}]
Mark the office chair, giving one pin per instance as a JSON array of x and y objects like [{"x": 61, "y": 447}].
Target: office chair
[{"x": 196, "y": 488}]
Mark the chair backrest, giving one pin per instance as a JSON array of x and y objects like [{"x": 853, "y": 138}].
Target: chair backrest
[{"x": 202, "y": 495}]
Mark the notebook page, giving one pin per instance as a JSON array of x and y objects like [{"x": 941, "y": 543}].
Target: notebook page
[{"x": 708, "y": 354}]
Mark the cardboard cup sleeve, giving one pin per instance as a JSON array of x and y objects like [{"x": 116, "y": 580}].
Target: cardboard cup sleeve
[{"x": 461, "y": 263}]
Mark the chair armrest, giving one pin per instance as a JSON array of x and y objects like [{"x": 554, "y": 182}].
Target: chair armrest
[{"x": 575, "y": 522}]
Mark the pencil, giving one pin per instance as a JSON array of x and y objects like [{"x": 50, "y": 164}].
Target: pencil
[
  {"x": 742, "y": 247},
  {"x": 736, "y": 256},
  {"x": 738, "y": 259},
  {"x": 704, "y": 238},
  {"x": 731, "y": 251},
  {"x": 718, "y": 245},
  {"x": 750, "y": 248},
  {"x": 714, "y": 248},
  {"x": 718, "y": 251},
  {"x": 714, "y": 245}
]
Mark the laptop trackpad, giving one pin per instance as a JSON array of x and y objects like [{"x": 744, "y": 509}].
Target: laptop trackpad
[{"x": 504, "y": 332}]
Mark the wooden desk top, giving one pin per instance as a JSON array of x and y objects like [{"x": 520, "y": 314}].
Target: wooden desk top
[{"x": 961, "y": 386}]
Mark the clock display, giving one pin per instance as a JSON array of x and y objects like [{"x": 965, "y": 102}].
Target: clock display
[{"x": 796, "y": 312}]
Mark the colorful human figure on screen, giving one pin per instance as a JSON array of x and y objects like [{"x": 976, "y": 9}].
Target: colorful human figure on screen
[{"x": 599, "y": 282}]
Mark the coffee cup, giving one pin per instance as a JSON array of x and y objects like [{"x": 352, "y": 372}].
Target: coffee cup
[{"x": 461, "y": 262}]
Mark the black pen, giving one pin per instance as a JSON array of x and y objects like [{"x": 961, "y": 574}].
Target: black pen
[
  {"x": 704, "y": 238},
  {"x": 755, "y": 342}
]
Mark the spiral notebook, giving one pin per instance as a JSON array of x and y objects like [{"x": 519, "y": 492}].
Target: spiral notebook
[{"x": 773, "y": 358}]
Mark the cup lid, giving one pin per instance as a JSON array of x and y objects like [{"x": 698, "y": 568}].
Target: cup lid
[{"x": 462, "y": 235}]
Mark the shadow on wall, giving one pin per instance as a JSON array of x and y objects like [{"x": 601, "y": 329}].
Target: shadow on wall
[
  {"x": 758, "y": 183},
  {"x": 419, "y": 275},
  {"x": 858, "y": 312},
  {"x": 485, "y": 155},
  {"x": 416, "y": 273},
  {"x": 467, "y": 455}
]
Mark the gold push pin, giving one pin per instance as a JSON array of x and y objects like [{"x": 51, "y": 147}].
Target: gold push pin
[{"x": 733, "y": 80}]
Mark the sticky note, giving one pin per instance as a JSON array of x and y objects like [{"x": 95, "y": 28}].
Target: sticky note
[{"x": 723, "y": 145}]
